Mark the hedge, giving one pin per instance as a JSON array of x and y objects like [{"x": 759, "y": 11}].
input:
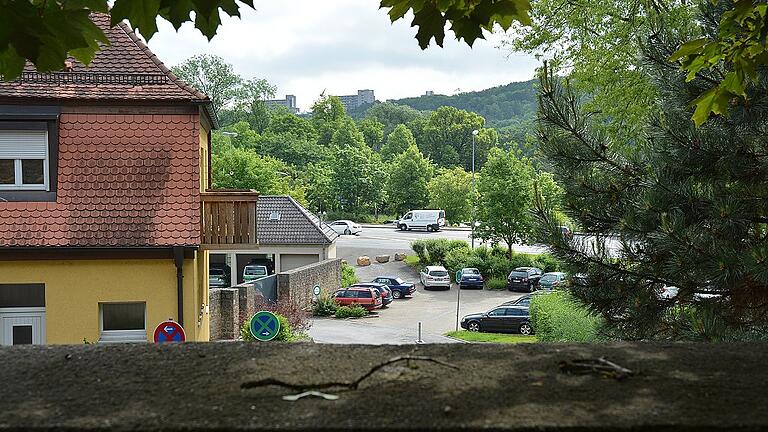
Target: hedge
[
  {"x": 558, "y": 317},
  {"x": 493, "y": 262}
]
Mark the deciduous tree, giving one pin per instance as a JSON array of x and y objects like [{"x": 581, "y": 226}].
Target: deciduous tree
[
  {"x": 409, "y": 175},
  {"x": 451, "y": 190},
  {"x": 398, "y": 142},
  {"x": 505, "y": 190}
]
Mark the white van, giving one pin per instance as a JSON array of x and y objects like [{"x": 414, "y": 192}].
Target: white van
[{"x": 430, "y": 220}]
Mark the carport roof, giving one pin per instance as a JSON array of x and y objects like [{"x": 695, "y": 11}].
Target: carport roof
[{"x": 282, "y": 220}]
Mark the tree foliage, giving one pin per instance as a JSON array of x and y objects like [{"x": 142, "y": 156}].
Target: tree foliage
[
  {"x": 409, "y": 177},
  {"x": 738, "y": 44},
  {"x": 688, "y": 208},
  {"x": 447, "y": 138},
  {"x": 505, "y": 190},
  {"x": 216, "y": 78},
  {"x": 400, "y": 140},
  {"x": 451, "y": 190},
  {"x": 46, "y": 32},
  {"x": 598, "y": 44},
  {"x": 467, "y": 19}
]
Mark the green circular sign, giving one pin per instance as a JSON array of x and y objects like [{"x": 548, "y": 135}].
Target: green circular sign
[{"x": 264, "y": 326}]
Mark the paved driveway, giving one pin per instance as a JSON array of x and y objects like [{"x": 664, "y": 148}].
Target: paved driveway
[{"x": 398, "y": 324}]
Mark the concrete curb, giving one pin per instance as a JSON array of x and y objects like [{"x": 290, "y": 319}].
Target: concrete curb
[{"x": 457, "y": 339}]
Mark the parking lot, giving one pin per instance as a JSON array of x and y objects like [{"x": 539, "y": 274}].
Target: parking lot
[{"x": 398, "y": 323}]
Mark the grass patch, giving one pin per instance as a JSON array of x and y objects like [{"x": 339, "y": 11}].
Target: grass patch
[
  {"x": 413, "y": 261},
  {"x": 491, "y": 337}
]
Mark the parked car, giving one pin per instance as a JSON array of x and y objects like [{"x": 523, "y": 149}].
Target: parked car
[
  {"x": 524, "y": 279},
  {"x": 266, "y": 262},
  {"x": 524, "y": 301},
  {"x": 552, "y": 280},
  {"x": 503, "y": 319},
  {"x": 470, "y": 278},
  {"x": 346, "y": 227},
  {"x": 435, "y": 277},
  {"x": 399, "y": 287},
  {"x": 368, "y": 298},
  {"x": 217, "y": 278},
  {"x": 430, "y": 220},
  {"x": 254, "y": 272},
  {"x": 384, "y": 291}
]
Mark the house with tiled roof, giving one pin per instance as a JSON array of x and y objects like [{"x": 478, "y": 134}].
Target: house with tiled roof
[
  {"x": 106, "y": 217},
  {"x": 289, "y": 237}
]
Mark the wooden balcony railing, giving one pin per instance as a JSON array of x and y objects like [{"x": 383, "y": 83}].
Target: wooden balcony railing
[{"x": 229, "y": 217}]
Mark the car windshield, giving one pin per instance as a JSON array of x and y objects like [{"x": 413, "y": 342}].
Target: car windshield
[
  {"x": 438, "y": 273},
  {"x": 519, "y": 274},
  {"x": 216, "y": 272},
  {"x": 471, "y": 272},
  {"x": 255, "y": 271},
  {"x": 548, "y": 278}
]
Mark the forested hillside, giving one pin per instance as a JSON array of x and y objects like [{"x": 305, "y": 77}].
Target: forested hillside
[{"x": 500, "y": 106}]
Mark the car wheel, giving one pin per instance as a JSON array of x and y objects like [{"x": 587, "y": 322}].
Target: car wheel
[
  {"x": 525, "y": 329},
  {"x": 473, "y": 326},
  {"x": 402, "y": 227},
  {"x": 429, "y": 228},
  {"x": 347, "y": 232},
  {"x": 397, "y": 294}
]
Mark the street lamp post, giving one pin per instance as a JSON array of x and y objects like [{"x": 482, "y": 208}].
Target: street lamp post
[
  {"x": 474, "y": 134},
  {"x": 458, "y": 284}
]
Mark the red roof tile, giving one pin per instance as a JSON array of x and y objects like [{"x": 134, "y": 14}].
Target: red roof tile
[
  {"x": 124, "y": 70},
  {"x": 123, "y": 181}
]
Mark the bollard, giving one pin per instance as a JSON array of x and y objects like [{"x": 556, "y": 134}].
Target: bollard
[{"x": 418, "y": 340}]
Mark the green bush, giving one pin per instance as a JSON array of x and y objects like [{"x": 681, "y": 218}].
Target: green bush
[
  {"x": 324, "y": 306},
  {"x": 558, "y": 317},
  {"x": 348, "y": 276},
  {"x": 286, "y": 333},
  {"x": 434, "y": 251},
  {"x": 420, "y": 247},
  {"x": 496, "y": 284},
  {"x": 354, "y": 311}
]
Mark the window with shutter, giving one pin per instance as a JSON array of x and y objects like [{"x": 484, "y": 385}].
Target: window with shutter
[{"x": 24, "y": 160}]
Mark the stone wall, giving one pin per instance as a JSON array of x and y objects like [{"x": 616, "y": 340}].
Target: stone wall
[
  {"x": 224, "y": 313},
  {"x": 298, "y": 284}
]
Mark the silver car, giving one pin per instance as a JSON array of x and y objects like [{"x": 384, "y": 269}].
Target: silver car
[
  {"x": 346, "y": 227},
  {"x": 435, "y": 277}
]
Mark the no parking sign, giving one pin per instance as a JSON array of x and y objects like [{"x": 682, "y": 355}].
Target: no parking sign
[{"x": 169, "y": 331}]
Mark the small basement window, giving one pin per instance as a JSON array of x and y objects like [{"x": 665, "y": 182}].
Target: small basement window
[
  {"x": 123, "y": 322},
  {"x": 24, "y": 160}
]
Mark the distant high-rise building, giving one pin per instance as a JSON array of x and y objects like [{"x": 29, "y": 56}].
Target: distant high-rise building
[
  {"x": 289, "y": 102},
  {"x": 429, "y": 93},
  {"x": 362, "y": 97}
]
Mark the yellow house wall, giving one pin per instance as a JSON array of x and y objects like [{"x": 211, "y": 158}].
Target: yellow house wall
[
  {"x": 204, "y": 149},
  {"x": 74, "y": 289}
]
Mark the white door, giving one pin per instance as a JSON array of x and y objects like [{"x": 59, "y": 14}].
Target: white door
[{"x": 22, "y": 326}]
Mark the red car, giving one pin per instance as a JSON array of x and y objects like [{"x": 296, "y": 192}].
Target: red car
[{"x": 368, "y": 298}]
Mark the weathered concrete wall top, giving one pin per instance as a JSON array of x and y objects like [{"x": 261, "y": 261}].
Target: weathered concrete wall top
[{"x": 201, "y": 387}]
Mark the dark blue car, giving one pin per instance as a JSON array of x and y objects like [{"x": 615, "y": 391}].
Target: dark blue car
[
  {"x": 470, "y": 278},
  {"x": 399, "y": 287}
]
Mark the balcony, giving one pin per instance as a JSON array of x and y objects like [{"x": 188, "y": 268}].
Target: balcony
[{"x": 228, "y": 218}]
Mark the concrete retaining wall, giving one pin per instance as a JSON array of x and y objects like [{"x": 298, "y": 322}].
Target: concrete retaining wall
[{"x": 489, "y": 387}]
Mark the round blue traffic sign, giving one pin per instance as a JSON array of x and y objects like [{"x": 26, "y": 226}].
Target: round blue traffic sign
[
  {"x": 265, "y": 326},
  {"x": 169, "y": 331}
]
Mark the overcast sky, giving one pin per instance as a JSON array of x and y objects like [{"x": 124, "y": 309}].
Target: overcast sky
[{"x": 307, "y": 46}]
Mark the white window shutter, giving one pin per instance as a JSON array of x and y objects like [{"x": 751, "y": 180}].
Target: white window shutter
[{"x": 23, "y": 144}]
